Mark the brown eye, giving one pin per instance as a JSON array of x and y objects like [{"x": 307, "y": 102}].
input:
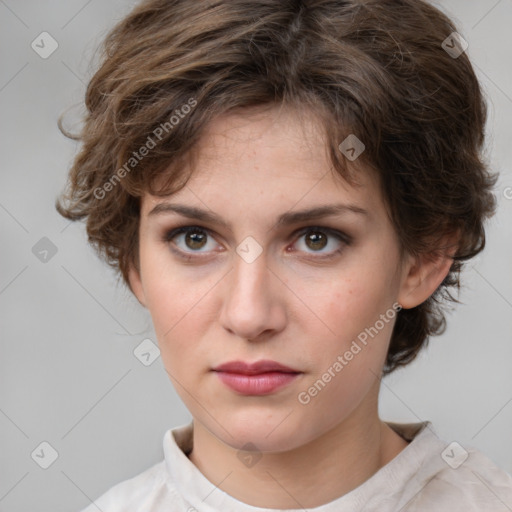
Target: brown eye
[
  {"x": 316, "y": 240},
  {"x": 188, "y": 239},
  {"x": 195, "y": 239}
]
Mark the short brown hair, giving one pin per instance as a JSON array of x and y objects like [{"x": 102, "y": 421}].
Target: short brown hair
[{"x": 373, "y": 68}]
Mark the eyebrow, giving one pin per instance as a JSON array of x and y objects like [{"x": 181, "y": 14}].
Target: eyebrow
[{"x": 284, "y": 219}]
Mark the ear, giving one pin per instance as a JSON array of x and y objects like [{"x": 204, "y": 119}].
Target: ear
[
  {"x": 136, "y": 285},
  {"x": 423, "y": 274}
]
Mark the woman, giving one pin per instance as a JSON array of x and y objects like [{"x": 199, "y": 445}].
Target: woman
[{"x": 290, "y": 188}]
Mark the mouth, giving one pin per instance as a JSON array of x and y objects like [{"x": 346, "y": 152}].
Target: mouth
[{"x": 259, "y": 378}]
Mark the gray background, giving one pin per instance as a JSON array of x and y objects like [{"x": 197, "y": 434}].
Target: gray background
[{"x": 68, "y": 328}]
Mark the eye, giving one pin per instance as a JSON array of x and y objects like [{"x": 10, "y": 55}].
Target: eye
[
  {"x": 191, "y": 239},
  {"x": 316, "y": 238}
]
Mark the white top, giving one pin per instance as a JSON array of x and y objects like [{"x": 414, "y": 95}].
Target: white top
[{"x": 429, "y": 475}]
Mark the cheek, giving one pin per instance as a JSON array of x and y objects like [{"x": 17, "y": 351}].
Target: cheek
[
  {"x": 354, "y": 303},
  {"x": 351, "y": 308},
  {"x": 178, "y": 304},
  {"x": 351, "y": 360},
  {"x": 171, "y": 293}
]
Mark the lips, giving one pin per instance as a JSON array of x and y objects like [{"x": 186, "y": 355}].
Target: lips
[
  {"x": 259, "y": 378},
  {"x": 256, "y": 368}
]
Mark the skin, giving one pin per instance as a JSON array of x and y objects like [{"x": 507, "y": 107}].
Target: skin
[{"x": 288, "y": 305}]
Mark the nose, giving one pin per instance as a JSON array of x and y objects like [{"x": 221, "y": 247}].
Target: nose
[{"x": 253, "y": 302}]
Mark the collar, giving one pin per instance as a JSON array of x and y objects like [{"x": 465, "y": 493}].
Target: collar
[{"x": 205, "y": 496}]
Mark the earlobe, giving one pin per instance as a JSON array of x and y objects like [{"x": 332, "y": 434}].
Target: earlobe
[
  {"x": 423, "y": 275},
  {"x": 136, "y": 285}
]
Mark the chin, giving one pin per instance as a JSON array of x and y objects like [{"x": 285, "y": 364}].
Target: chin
[{"x": 267, "y": 435}]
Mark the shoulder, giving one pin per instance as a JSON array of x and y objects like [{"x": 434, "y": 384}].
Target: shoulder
[
  {"x": 146, "y": 491},
  {"x": 155, "y": 488},
  {"x": 455, "y": 477},
  {"x": 477, "y": 485}
]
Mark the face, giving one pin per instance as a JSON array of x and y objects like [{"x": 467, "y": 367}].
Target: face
[{"x": 250, "y": 280}]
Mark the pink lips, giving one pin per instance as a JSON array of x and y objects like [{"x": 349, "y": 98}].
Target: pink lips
[{"x": 259, "y": 378}]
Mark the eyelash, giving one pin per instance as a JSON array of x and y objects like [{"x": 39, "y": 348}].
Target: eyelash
[{"x": 342, "y": 237}]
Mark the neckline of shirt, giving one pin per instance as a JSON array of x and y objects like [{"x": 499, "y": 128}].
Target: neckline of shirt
[{"x": 205, "y": 496}]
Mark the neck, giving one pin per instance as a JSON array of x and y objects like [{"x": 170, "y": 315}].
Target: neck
[{"x": 308, "y": 476}]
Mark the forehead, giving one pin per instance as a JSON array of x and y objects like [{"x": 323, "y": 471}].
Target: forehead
[
  {"x": 273, "y": 156},
  {"x": 282, "y": 132}
]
